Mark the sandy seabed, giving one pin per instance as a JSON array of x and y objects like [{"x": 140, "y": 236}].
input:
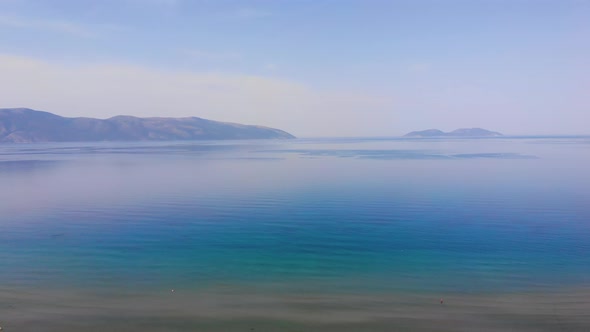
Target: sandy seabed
[{"x": 167, "y": 310}]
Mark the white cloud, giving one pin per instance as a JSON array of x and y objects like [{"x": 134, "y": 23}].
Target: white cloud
[{"x": 106, "y": 90}]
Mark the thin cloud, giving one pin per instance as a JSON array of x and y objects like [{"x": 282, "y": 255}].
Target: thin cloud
[
  {"x": 162, "y": 2},
  {"x": 251, "y": 13},
  {"x": 106, "y": 90},
  {"x": 166, "y": 3},
  {"x": 271, "y": 66},
  {"x": 41, "y": 24},
  {"x": 213, "y": 56},
  {"x": 419, "y": 67}
]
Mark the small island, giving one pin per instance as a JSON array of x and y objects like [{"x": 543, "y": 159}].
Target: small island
[
  {"x": 23, "y": 125},
  {"x": 462, "y": 132}
]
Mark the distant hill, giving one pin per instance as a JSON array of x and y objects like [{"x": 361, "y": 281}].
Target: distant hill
[
  {"x": 23, "y": 125},
  {"x": 463, "y": 132}
]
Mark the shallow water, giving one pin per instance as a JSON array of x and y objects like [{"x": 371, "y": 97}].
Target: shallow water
[{"x": 345, "y": 217}]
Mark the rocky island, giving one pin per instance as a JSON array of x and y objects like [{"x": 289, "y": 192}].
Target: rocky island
[
  {"x": 462, "y": 132},
  {"x": 23, "y": 125}
]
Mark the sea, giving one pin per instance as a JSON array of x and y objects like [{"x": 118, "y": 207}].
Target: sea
[{"x": 324, "y": 234}]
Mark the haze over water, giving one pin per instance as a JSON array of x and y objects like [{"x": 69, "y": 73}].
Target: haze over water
[{"x": 416, "y": 218}]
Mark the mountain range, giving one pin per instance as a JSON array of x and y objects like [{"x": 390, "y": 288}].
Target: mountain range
[
  {"x": 23, "y": 125},
  {"x": 462, "y": 132}
]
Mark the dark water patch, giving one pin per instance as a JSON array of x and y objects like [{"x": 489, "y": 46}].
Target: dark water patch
[
  {"x": 493, "y": 156},
  {"x": 362, "y": 153},
  {"x": 400, "y": 154},
  {"x": 14, "y": 166},
  {"x": 125, "y": 148},
  {"x": 253, "y": 158}
]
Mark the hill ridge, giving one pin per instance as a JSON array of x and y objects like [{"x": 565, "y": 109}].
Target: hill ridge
[
  {"x": 25, "y": 125},
  {"x": 461, "y": 132}
]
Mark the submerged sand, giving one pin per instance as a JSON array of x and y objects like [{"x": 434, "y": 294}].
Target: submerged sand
[{"x": 23, "y": 311}]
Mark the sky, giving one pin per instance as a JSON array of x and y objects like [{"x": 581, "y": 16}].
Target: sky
[{"x": 311, "y": 67}]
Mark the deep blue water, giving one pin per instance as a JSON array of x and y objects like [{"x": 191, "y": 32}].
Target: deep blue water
[{"x": 335, "y": 215}]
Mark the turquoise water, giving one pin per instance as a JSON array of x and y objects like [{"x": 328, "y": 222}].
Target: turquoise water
[{"x": 329, "y": 215}]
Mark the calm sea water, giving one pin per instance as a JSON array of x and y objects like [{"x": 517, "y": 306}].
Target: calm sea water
[{"x": 330, "y": 215}]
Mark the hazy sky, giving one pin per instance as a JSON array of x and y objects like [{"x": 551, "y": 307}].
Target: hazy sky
[{"x": 313, "y": 68}]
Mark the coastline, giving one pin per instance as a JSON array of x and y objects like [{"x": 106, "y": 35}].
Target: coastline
[{"x": 554, "y": 310}]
